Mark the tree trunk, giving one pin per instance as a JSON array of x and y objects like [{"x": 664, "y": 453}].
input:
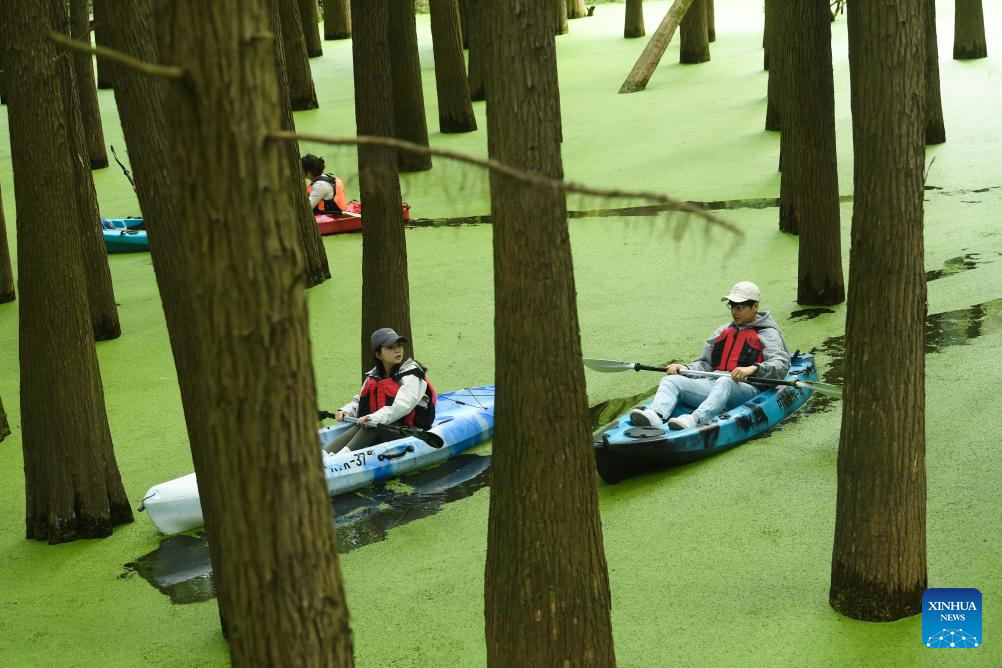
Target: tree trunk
[
  {"x": 634, "y": 24},
  {"x": 311, "y": 28},
  {"x": 559, "y": 16},
  {"x": 879, "y": 556},
  {"x": 969, "y": 31},
  {"x": 576, "y": 9},
  {"x": 7, "y": 293},
  {"x": 774, "y": 49},
  {"x": 256, "y": 375},
  {"x": 409, "y": 122},
  {"x": 337, "y": 19},
  {"x": 711, "y": 22},
  {"x": 3, "y": 80},
  {"x": 385, "y": 287},
  {"x": 4, "y": 424},
  {"x": 694, "y": 46},
  {"x": 72, "y": 485},
  {"x": 455, "y": 110},
  {"x": 478, "y": 46},
  {"x": 94, "y": 255},
  {"x": 655, "y": 49},
  {"x": 314, "y": 253},
  {"x": 84, "y": 69},
  {"x": 302, "y": 93},
  {"x": 546, "y": 585},
  {"x": 935, "y": 130},
  {"x": 464, "y": 22},
  {"x": 810, "y": 161},
  {"x": 105, "y": 69},
  {"x": 765, "y": 36}
]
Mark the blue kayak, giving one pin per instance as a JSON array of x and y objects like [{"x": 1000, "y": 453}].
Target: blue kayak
[
  {"x": 118, "y": 238},
  {"x": 463, "y": 419},
  {"x": 623, "y": 450}
]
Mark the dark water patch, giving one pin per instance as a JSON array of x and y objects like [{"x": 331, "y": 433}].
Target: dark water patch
[
  {"x": 809, "y": 313},
  {"x": 182, "y": 570},
  {"x": 956, "y": 265}
]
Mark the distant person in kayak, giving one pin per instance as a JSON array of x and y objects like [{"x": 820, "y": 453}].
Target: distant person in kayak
[
  {"x": 326, "y": 191},
  {"x": 395, "y": 391},
  {"x": 750, "y": 345}
]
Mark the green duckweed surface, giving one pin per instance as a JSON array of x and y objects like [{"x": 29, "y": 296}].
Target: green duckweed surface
[{"x": 721, "y": 563}]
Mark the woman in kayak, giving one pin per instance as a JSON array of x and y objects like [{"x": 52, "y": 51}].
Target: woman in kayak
[
  {"x": 395, "y": 391},
  {"x": 326, "y": 191}
]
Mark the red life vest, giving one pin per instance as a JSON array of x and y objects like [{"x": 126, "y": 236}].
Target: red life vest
[
  {"x": 736, "y": 347},
  {"x": 378, "y": 392}
]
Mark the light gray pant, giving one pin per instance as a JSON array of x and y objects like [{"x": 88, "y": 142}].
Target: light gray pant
[
  {"x": 356, "y": 437},
  {"x": 711, "y": 396}
]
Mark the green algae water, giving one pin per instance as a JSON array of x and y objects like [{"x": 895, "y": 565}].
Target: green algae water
[{"x": 720, "y": 563}]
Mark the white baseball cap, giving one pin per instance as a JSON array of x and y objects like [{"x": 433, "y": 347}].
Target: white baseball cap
[{"x": 743, "y": 291}]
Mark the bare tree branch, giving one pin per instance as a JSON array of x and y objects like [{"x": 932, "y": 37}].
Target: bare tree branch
[{"x": 116, "y": 56}]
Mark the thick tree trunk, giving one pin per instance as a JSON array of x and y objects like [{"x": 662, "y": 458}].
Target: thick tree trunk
[
  {"x": 72, "y": 485},
  {"x": 86, "y": 86},
  {"x": 935, "y": 130},
  {"x": 94, "y": 255},
  {"x": 774, "y": 49},
  {"x": 105, "y": 69},
  {"x": 810, "y": 161},
  {"x": 656, "y": 47},
  {"x": 464, "y": 22},
  {"x": 302, "y": 93},
  {"x": 879, "y": 556},
  {"x": 7, "y": 293},
  {"x": 559, "y": 16},
  {"x": 337, "y": 19},
  {"x": 546, "y": 585},
  {"x": 455, "y": 110},
  {"x": 314, "y": 253},
  {"x": 576, "y": 9},
  {"x": 969, "y": 31},
  {"x": 253, "y": 343},
  {"x": 409, "y": 122},
  {"x": 711, "y": 21},
  {"x": 634, "y": 24},
  {"x": 3, "y": 80},
  {"x": 4, "y": 424},
  {"x": 694, "y": 46},
  {"x": 385, "y": 287},
  {"x": 478, "y": 46},
  {"x": 311, "y": 28}
]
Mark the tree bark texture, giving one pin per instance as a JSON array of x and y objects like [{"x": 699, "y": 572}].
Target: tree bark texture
[
  {"x": 694, "y": 46},
  {"x": 72, "y": 485},
  {"x": 284, "y": 602},
  {"x": 576, "y": 9},
  {"x": 774, "y": 40},
  {"x": 4, "y": 424},
  {"x": 810, "y": 162},
  {"x": 559, "y": 16},
  {"x": 311, "y": 28},
  {"x": 656, "y": 47},
  {"x": 104, "y": 69},
  {"x": 302, "y": 93},
  {"x": 634, "y": 24},
  {"x": 409, "y": 121},
  {"x": 7, "y": 292},
  {"x": 935, "y": 130},
  {"x": 969, "y": 31},
  {"x": 711, "y": 22},
  {"x": 87, "y": 86},
  {"x": 3, "y": 80},
  {"x": 463, "y": 22},
  {"x": 477, "y": 37},
  {"x": 879, "y": 555},
  {"x": 314, "y": 254},
  {"x": 547, "y": 599},
  {"x": 337, "y": 19},
  {"x": 385, "y": 286},
  {"x": 94, "y": 255},
  {"x": 455, "y": 110}
]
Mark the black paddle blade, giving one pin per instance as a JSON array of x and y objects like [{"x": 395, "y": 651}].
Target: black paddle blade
[{"x": 434, "y": 440}]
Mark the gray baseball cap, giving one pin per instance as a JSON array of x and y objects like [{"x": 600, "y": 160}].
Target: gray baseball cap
[{"x": 384, "y": 336}]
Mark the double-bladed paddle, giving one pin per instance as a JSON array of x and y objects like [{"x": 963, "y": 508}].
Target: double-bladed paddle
[
  {"x": 434, "y": 440},
  {"x": 612, "y": 366}
]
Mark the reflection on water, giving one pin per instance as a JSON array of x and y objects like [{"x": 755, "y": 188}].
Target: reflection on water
[{"x": 181, "y": 568}]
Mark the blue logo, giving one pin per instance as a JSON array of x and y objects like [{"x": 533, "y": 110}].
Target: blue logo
[{"x": 951, "y": 618}]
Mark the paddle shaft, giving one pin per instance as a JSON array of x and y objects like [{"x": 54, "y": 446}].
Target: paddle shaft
[
  {"x": 751, "y": 380},
  {"x": 434, "y": 440}
]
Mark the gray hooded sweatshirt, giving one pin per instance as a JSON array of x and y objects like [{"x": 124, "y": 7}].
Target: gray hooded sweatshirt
[{"x": 776, "y": 356}]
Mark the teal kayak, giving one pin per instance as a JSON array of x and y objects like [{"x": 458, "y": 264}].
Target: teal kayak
[{"x": 119, "y": 238}]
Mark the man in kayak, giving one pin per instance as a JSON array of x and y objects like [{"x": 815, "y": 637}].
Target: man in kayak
[
  {"x": 750, "y": 345},
  {"x": 326, "y": 191}
]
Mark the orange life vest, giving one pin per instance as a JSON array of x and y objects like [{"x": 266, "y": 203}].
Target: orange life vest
[
  {"x": 335, "y": 205},
  {"x": 736, "y": 347}
]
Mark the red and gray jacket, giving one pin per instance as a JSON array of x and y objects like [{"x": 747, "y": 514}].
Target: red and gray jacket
[
  {"x": 379, "y": 390},
  {"x": 758, "y": 343}
]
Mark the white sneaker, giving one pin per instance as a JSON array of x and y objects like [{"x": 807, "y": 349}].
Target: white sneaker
[
  {"x": 645, "y": 417},
  {"x": 682, "y": 421}
]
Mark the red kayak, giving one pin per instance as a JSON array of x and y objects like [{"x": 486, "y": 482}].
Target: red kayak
[{"x": 350, "y": 219}]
